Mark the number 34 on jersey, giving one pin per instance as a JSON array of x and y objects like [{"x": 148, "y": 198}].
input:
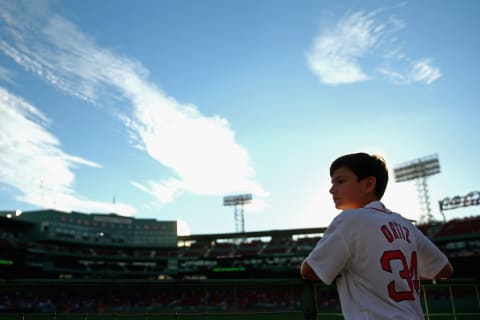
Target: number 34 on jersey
[{"x": 407, "y": 272}]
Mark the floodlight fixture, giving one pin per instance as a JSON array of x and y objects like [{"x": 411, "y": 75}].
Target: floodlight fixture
[
  {"x": 419, "y": 170},
  {"x": 238, "y": 201}
]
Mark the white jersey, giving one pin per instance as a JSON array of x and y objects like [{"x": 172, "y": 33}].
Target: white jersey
[{"x": 377, "y": 258}]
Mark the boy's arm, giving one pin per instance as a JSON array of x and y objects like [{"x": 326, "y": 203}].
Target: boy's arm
[
  {"x": 306, "y": 272},
  {"x": 446, "y": 272}
]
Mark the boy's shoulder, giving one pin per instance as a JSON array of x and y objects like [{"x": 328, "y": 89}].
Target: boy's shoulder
[
  {"x": 373, "y": 210},
  {"x": 349, "y": 216}
]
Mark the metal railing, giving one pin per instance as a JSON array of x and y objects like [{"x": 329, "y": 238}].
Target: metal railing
[
  {"x": 304, "y": 300},
  {"x": 456, "y": 301}
]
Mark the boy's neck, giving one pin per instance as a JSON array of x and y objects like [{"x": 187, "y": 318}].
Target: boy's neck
[{"x": 369, "y": 200}]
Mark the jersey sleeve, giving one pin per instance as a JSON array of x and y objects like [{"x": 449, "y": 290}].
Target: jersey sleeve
[
  {"x": 331, "y": 254},
  {"x": 431, "y": 260}
]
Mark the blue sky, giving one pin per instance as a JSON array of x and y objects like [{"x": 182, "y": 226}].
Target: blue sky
[{"x": 159, "y": 109}]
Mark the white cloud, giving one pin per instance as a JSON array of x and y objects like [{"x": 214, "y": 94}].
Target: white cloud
[
  {"x": 183, "y": 228},
  {"x": 33, "y": 163},
  {"x": 417, "y": 71},
  {"x": 5, "y": 75},
  {"x": 339, "y": 53},
  {"x": 335, "y": 55},
  {"x": 165, "y": 191},
  {"x": 423, "y": 71},
  {"x": 200, "y": 150},
  {"x": 394, "y": 76}
]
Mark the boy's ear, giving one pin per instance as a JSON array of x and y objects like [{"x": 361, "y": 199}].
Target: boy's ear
[{"x": 370, "y": 184}]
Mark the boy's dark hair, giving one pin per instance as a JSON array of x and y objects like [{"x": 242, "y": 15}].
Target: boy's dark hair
[{"x": 364, "y": 165}]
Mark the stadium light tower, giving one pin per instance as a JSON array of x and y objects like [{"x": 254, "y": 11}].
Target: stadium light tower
[
  {"x": 419, "y": 170},
  {"x": 238, "y": 201}
]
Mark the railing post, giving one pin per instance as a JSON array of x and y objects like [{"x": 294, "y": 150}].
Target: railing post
[
  {"x": 308, "y": 301},
  {"x": 477, "y": 294},
  {"x": 235, "y": 299},
  {"x": 423, "y": 289},
  {"x": 452, "y": 302}
]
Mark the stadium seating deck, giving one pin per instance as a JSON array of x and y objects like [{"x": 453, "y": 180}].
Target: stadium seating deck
[
  {"x": 265, "y": 254},
  {"x": 463, "y": 226},
  {"x": 228, "y": 299}
]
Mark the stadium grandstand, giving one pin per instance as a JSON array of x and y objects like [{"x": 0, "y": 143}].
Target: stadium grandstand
[
  {"x": 104, "y": 266},
  {"x": 52, "y": 244}
]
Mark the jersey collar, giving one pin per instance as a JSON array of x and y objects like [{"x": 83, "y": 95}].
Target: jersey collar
[{"x": 378, "y": 206}]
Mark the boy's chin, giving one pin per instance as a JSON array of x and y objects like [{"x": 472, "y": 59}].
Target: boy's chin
[{"x": 340, "y": 206}]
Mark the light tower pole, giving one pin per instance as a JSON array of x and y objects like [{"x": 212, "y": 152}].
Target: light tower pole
[
  {"x": 419, "y": 170},
  {"x": 238, "y": 201}
]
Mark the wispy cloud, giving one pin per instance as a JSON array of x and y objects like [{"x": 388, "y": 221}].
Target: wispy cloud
[
  {"x": 423, "y": 71},
  {"x": 34, "y": 164},
  {"x": 335, "y": 53},
  {"x": 200, "y": 150},
  {"x": 361, "y": 46},
  {"x": 5, "y": 75},
  {"x": 416, "y": 71}
]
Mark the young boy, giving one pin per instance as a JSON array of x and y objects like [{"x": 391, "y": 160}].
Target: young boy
[{"x": 376, "y": 256}]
